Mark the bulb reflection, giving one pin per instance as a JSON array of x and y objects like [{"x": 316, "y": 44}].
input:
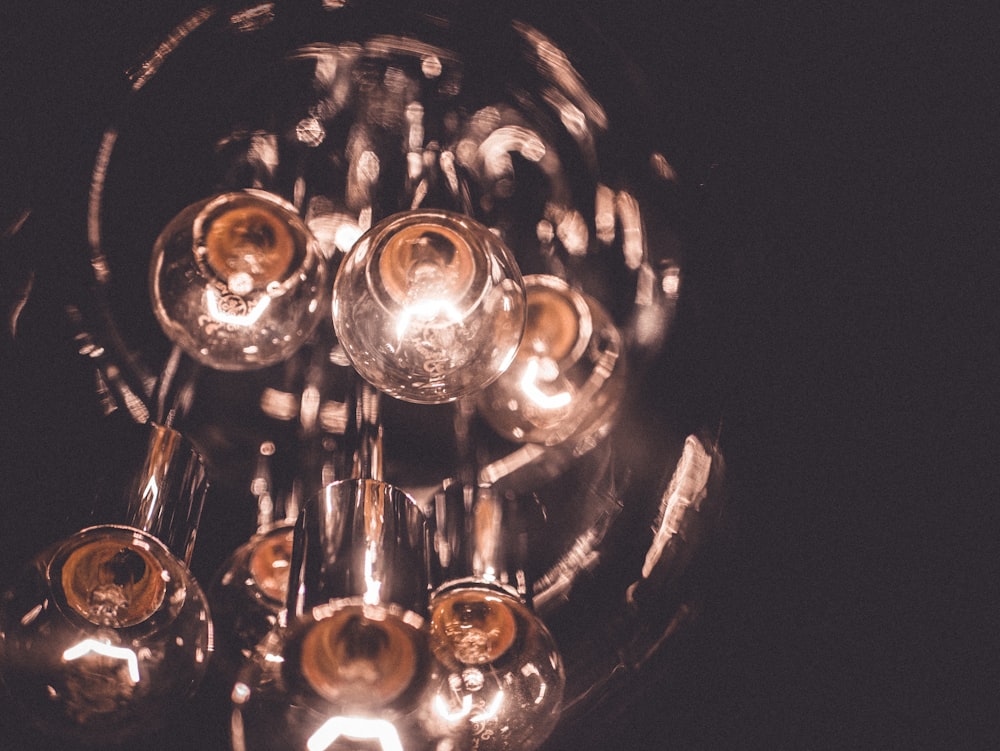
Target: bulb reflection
[
  {"x": 104, "y": 636},
  {"x": 104, "y": 648},
  {"x": 359, "y": 655},
  {"x": 349, "y": 660},
  {"x": 568, "y": 376},
  {"x": 248, "y": 593}
]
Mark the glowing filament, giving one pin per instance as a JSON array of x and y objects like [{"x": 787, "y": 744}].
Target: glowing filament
[
  {"x": 373, "y": 587},
  {"x": 102, "y": 648},
  {"x": 442, "y": 708},
  {"x": 358, "y": 728},
  {"x": 539, "y": 397},
  {"x": 490, "y": 711},
  {"x": 247, "y": 319}
]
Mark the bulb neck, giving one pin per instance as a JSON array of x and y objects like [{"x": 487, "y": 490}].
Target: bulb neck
[
  {"x": 165, "y": 498},
  {"x": 368, "y": 428},
  {"x": 361, "y": 539},
  {"x": 475, "y": 527}
]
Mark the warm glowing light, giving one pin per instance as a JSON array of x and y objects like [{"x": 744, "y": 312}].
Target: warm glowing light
[
  {"x": 687, "y": 489},
  {"x": 310, "y": 131},
  {"x": 241, "y": 692},
  {"x": 357, "y": 728},
  {"x": 671, "y": 282},
  {"x": 105, "y": 649},
  {"x": 441, "y": 707},
  {"x": 604, "y": 214},
  {"x": 429, "y": 306},
  {"x": 495, "y": 149},
  {"x": 662, "y": 168},
  {"x": 152, "y": 490},
  {"x": 424, "y": 312},
  {"x": 633, "y": 238},
  {"x": 309, "y": 409},
  {"x": 373, "y": 587},
  {"x": 31, "y": 615},
  {"x": 368, "y": 167},
  {"x": 431, "y": 66},
  {"x": 529, "y": 383},
  {"x": 281, "y": 405}
]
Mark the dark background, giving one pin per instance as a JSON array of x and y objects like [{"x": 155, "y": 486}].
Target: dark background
[{"x": 840, "y": 316}]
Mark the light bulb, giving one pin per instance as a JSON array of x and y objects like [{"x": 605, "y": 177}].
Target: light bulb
[
  {"x": 429, "y": 306},
  {"x": 504, "y": 684},
  {"x": 249, "y": 592},
  {"x": 346, "y": 671},
  {"x": 237, "y": 280},
  {"x": 104, "y": 636},
  {"x": 568, "y": 376},
  {"x": 503, "y": 680},
  {"x": 349, "y": 660}
]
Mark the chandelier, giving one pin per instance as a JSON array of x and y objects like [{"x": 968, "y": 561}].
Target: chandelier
[{"x": 378, "y": 298}]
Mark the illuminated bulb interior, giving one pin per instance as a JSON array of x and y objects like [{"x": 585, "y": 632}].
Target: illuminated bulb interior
[
  {"x": 247, "y": 246},
  {"x": 426, "y": 262},
  {"x": 236, "y": 280},
  {"x": 429, "y": 306},
  {"x": 558, "y": 323},
  {"x": 113, "y": 582},
  {"x": 269, "y": 564},
  {"x": 477, "y": 626},
  {"x": 359, "y": 656},
  {"x": 382, "y": 732}
]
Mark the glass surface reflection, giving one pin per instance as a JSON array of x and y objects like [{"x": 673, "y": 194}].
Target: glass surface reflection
[
  {"x": 248, "y": 593},
  {"x": 347, "y": 671},
  {"x": 350, "y": 113}
]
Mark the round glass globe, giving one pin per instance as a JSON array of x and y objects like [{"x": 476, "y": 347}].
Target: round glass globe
[
  {"x": 568, "y": 376},
  {"x": 504, "y": 684},
  {"x": 429, "y": 306},
  {"x": 347, "y": 675},
  {"x": 237, "y": 280},
  {"x": 104, "y": 636},
  {"x": 248, "y": 593}
]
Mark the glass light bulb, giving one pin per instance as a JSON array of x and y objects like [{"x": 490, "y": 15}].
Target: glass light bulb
[
  {"x": 249, "y": 592},
  {"x": 104, "y": 636},
  {"x": 504, "y": 683},
  {"x": 568, "y": 376},
  {"x": 237, "y": 280},
  {"x": 348, "y": 675},
  {"x": 349, "y": 664},
  {"x": 429, "y": 306}
]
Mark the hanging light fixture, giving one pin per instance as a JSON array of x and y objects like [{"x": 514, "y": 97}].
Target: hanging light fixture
[{"x": 409, "y": 273}]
